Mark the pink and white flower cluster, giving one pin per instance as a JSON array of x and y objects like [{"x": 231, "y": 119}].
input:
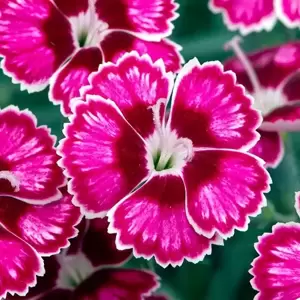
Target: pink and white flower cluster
[
  {"x": 256, "y": 15},
  {"x": 172, "y": 162},
  {"x": 62, "y": 41},
  {"x": 91, "y": 269}
]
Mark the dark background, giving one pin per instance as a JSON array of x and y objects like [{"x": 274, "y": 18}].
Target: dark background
[{"x": 223, "y": 275}]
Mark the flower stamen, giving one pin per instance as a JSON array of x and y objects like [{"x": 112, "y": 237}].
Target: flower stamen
[
  {"x": 166, "y": 150},
  {"x": 234, "y": 44},
  {"x": 158, "y": 114},
  {"x": 185, "y": 147}
]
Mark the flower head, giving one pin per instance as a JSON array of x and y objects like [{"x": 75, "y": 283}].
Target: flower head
[
  {"x": 30, "y": 177},
  {"x": 63, "y": 41},
  {"x": 169, "y": 180},
  {"x": 90, "y": 269},
  {"x": 276, "y": 270},
  {"x": 272, "y": 77},
  {"x": 257, "y": 15}
]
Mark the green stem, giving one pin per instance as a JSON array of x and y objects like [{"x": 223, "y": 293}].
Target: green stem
[{"x": 151, "y": 265}]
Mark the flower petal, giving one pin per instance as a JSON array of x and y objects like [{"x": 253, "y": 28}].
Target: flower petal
[
  {"x": 284, "y": 119},
  {"x": 210, "y": 109},
  {"x": 291, "y": 89},
  {"x": 117, "y": 284},
  {"x": 28, "y": 161},
  {"x": 288, "y": 11},
  {"x": 104, "y": 252},
  {"x": 117, "y": 43},
  {"x": 103, "y": 155},
  {"x": 270, "y": 148},
  {"x": 273, "y": 66},
  {"x": 44, "y": 283},
  {"x": 35, "y": 40},
  {"x": 47, "y": 228},
  {"x": 153, "y": 222},
  {"x": 219, "y": 199},
  {"x": 65, "y": 84},
  {"x": 135, "y": 84},
  {"x": 48, "y": 281},
  {"x": 72, "y": 8},
  {"x": 76, "y": 243},
  {"x": 246, "y": 16},
  {"x": 20, "y": 265},
  {"x": 57, "y": 294},
  {"x": 148, "y": 20},
  {"x": 276, "y": 270}
]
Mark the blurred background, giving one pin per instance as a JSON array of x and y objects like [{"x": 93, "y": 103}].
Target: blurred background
[{"x": 223, "y": 275}]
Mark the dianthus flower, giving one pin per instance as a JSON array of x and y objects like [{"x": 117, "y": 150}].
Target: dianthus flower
[
  {"x": 91, "y": 269},
  {"x": 276, "y": 270},
  {"x": 36, "y": 218},
  {"x": 172, "y": 183},
  {"x": 257, "y": 15},
  {"x": 63, "y": 41},
  {"x": 271, "y": 76}
]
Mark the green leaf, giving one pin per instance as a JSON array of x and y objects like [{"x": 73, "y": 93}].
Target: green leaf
[{"x": 232, "y": 263}]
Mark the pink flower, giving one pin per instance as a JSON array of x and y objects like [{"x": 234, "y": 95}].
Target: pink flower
[
  {"x": 271, "y": 76},
  {"x": 276, "y": 270},
  {"x": 257, "y": 15},
  {"x": 171, "y": 186},
  {"x": 29, "y": 177},
  {"x": 63, "y": 41},
  {"x": 90, "y": 269}
]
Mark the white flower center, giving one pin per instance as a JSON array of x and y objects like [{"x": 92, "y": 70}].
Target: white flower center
[
  {"x": 74, "y": 270},
  {"x": 88, "y": 30},
  {"x": 271, "y": 99},
  {"x": 265, "y": 100},
  {"x": 165, "y": 150}
]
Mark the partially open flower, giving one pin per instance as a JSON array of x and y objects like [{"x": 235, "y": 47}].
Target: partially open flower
[
  {"x": 170, "y": 181},
  {"x": 257, "y": 15},
  {"x": 272, "y": 77},
  {"x": 276, "y": 270},
  {"x": 63, "y": 41},
  {"x": 90, "y": 269}
]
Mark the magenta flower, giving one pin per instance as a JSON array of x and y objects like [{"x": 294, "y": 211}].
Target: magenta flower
[
  {"x": 169, "y": 182},
  {"x": 257, "y": 15},
  {"x": 271, "y": 77},
  {"x": 276, "y": 270},
  {"x": 28, "y": 161},
  {"x": 90, "y": 269},
  {"x": 63, "y": 41},
  {"x": 29, "y": 176}
]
